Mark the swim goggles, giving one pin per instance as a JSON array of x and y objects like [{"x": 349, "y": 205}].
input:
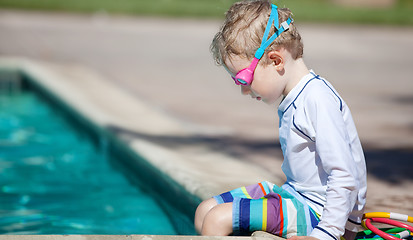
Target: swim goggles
[{"x": 246, "y": 75}]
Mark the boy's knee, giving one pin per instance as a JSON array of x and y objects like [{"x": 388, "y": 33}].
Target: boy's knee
[
  {"x": 206, "y": 205},
  {"x": 218, "y": 221},
  {"x": 201, "y": 211}
]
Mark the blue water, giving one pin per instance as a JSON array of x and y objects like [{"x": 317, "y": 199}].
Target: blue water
[{"x": 54, "y": 180}]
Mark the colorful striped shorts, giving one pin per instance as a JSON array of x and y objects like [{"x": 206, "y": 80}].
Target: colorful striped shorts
[{"x": 267, "y": 207}]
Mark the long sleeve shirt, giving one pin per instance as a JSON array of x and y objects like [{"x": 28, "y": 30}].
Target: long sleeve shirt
[{"x": 323, "y": 157}]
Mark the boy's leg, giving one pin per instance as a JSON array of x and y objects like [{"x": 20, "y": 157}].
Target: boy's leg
[
  {"x": 218, "y": 221},
  {"x": 201, "y": 211},
  {"x": 244, "y": 216},
  {"x": 209, "y": 212}
]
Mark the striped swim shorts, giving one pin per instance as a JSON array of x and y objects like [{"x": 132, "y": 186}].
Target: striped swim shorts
[{"x": 267, "y": 207}]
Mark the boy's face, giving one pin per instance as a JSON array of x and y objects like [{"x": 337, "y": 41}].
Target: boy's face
[{"x": 266, "y": 85}]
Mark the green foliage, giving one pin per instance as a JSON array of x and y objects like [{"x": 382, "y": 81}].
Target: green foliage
[{"x": 304, "y": 10}]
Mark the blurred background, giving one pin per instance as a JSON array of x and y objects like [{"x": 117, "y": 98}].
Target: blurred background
[
  {"x": 158, "y": 51},
  {"x": 340, "y": 11}
]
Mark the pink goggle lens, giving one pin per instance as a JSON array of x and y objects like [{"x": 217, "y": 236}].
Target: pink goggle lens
[{"x": 246, "y": 75}]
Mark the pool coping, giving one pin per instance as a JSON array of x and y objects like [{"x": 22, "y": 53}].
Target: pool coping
[
  {"x": 199, "y": 170},
  {"x": 255, "y": 236}
]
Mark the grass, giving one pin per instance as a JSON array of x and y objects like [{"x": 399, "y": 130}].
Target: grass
[
  {"x": 304, "y": 10},
  {"x": 326, "y": 11},
  {"x": 176, "y": 8}
]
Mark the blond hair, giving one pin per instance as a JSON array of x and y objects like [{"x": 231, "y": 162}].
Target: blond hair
[{"x": 243, "y": 29}]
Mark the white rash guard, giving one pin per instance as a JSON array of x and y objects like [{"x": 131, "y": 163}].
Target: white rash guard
[{"x": 323, "y": 157}]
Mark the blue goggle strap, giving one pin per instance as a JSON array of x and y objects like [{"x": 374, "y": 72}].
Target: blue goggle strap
[{"x": 267, "y": 41}]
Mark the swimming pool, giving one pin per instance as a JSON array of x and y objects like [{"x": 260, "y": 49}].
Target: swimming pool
[{"x": 59, "y": 174}]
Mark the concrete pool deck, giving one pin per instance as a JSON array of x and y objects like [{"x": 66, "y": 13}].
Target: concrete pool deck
[
  {"x": 115, "y": 68},
  {"x": 200, "y": 171}
]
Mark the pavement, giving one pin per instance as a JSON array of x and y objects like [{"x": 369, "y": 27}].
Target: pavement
[{"x": 182, "y": 105}]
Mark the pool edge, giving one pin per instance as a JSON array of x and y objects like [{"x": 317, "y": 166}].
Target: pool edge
[
  {"x": 259, "y": 235},
  {"x": 191, "y": 176}
]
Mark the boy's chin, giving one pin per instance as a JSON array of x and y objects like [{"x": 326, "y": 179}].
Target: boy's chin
[{"x": 268, "y": 102}]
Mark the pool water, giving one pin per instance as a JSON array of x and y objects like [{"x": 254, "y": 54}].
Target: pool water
[{"x": 55, "y": 180}]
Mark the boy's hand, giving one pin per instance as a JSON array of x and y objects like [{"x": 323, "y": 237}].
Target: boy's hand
[{"x": 302, "y": 238}]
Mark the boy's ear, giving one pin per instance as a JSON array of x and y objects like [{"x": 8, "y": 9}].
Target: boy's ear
[{"x": 277, "y": 58}]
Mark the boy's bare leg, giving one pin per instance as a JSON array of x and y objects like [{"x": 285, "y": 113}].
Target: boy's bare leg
[
  {"x": 218, "y": 221},
  {"x": 202, "y": 211}
]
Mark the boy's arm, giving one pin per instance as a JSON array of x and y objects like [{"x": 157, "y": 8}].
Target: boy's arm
[{"x": 334, "y": 151}]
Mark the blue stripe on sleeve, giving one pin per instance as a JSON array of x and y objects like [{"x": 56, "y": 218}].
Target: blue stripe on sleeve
[
  {"x": 301, "y": 130},
  {"x": 329, "y": 234}
]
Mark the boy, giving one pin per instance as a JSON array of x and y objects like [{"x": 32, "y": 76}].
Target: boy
[{"x": 325, "y": 191}]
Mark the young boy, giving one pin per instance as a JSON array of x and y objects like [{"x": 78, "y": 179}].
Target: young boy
[{"x": 325, "y": 191}]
